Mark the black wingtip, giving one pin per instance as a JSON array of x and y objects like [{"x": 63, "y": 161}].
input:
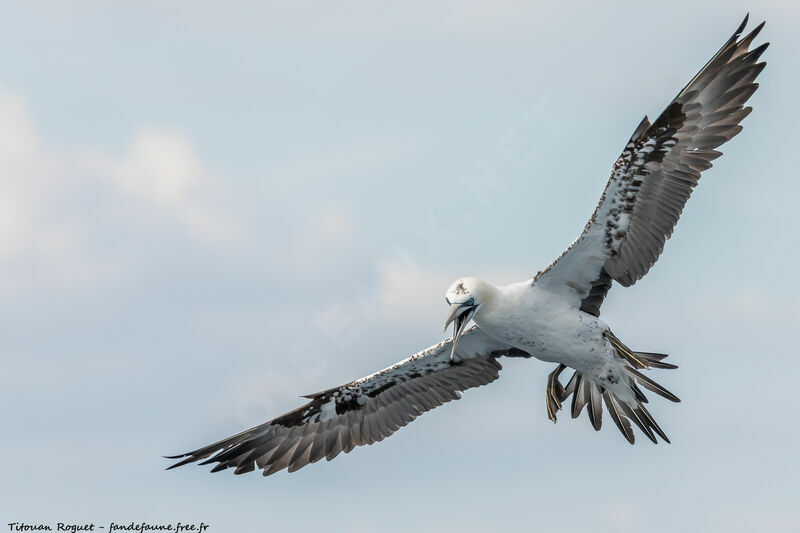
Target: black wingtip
[
  {"x": 185, "y": 460},
  {"x": 174, "y": 456},
  {"x": 743, "y": 25},
  {"x": 752, "y": 35},
  {"x": 758, "y": 51},
  {"x": 176, "y": 465}
]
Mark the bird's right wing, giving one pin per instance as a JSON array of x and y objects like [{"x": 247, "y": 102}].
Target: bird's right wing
[
  {"x": 363, "y": 411},
  {"x": 655, "y": 175}
]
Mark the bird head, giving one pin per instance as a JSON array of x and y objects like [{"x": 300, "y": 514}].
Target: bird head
[{"x": 465, "y": 296}]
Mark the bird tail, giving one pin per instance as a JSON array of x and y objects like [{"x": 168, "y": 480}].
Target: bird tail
[{"x": 623, "y": 408}]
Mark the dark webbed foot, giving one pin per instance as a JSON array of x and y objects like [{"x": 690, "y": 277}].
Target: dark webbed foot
[{"x": 554, "y": 392}]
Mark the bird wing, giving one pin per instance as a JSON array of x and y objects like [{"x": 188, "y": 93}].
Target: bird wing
[
  {"x": 363, "y": 411},
  {"x": 653, "y": 178}
]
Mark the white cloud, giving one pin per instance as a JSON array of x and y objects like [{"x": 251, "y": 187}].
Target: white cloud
[
  {"x": 19, "y": 167},
  {"x": 162, "y": 169},
  {"x": 416, "y": 292},
  {"x": 332, "y": 224},
  {"x": 33, "y": 233},
  {"x": 404, "y": 291},
  {"x": 623, "y": 516},
  {"x": 54, "y": 203}
]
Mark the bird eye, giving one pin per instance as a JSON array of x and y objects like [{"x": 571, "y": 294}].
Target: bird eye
[{"x": 471, "y": 301}]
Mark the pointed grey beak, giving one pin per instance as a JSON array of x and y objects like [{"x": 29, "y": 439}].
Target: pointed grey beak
[
  {"x": 459, "y": 315},
  {"x": 455, "y": 310}
]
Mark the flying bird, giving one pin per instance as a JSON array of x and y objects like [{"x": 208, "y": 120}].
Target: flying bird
[{"x": 553, "y": 317}]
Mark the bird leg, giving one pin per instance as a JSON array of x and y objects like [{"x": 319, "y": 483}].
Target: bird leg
[{"x": 554, "y": 392}]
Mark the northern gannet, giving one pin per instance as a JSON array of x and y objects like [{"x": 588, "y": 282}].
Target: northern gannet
[{"x": 553, "y": 317}]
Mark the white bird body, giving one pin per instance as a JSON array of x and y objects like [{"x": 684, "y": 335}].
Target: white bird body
[
  {"x": 555, "y": 316},
  {"x": 543, "y": 324}
]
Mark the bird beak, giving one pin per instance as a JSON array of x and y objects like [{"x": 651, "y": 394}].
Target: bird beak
[{"x": 460, "y": 315}]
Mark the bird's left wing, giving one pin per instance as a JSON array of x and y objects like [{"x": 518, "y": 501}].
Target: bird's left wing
[
  {"x": 363, "y": 411},
  {"x": 653, "y": 178}
]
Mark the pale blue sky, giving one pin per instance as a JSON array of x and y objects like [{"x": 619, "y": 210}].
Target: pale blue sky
[{"x": 208, "y": 209}]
